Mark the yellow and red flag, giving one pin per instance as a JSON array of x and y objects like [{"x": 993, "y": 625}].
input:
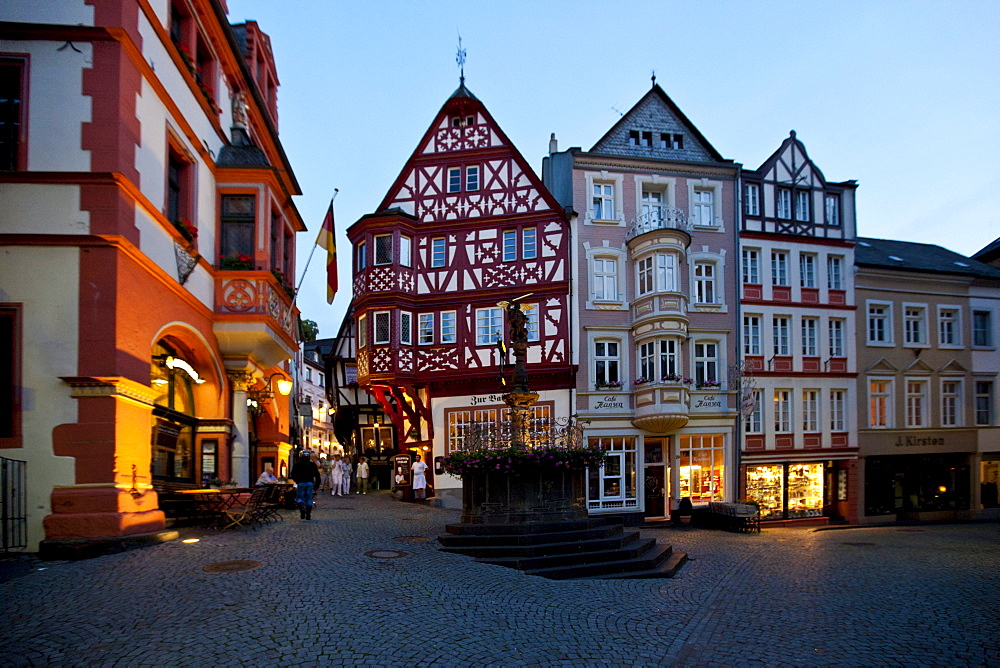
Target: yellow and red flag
[{"x": 327, "y": 242}]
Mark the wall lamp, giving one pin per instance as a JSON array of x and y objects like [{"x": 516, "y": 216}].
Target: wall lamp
[{"x": 256, "y": 399}]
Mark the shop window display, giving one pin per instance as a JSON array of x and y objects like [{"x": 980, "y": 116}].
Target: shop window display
[
  {"x": 805, "y": 490},
  {"x": 702, "y": 468},
  {"x": 765, "y": 485}
]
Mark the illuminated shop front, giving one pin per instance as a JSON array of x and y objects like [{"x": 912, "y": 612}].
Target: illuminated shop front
[
  {"x": 174, "y": 421},
  {"x": 615, "y": 485},
  {"x": 702, "y": 468},
  {"x": 786, "y": 490}
]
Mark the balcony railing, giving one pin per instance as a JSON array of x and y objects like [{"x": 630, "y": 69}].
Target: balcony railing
[
  {"x": 662, "y": 219},
  {"x": 255, "y": 293}
]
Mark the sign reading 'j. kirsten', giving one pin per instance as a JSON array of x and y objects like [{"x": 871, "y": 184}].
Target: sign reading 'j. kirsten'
[{"x": 912, "y": 441}]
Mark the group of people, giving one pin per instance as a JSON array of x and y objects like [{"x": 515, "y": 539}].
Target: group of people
[{"x": 336, "y": 476}]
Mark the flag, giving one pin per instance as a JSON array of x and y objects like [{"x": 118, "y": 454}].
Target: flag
[{"x": 326, "y": 241}]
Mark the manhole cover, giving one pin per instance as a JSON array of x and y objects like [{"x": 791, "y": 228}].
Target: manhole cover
[
  {"x": 911, "y": 530},
  {"x": 412, "y": 539},
  {"x": 858, "y": 544},
  {"x": 385, "y": 554},
  {"x": 230, "y": 566}
]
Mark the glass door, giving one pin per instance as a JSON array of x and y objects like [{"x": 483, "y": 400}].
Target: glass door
[
  {"x": 656, "y": 478},
  {"x": 611, "y": 475}
]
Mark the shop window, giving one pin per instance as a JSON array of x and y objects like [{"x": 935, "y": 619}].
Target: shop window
[
  {"x": 702, "y": 467},
  {"x": 916, "y": 483},
  {"x": 614, "y": 485},
  {"x": 10, "y": 376},
  {"x": 805, "y": 490},
  {"x": 989, "y": 477},
  {"x": 494, "y": 421},
  {"x": 237, "y": 230},
  {"x": 765, "y": 485},
  {"x": 13, "y": 119},
  {"x": 173, "y": 435}
]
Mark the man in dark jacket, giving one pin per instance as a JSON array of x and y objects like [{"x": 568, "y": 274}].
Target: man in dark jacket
[{"x": 306, "y": 475}]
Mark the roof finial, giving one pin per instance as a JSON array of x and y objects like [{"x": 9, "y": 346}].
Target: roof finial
[
  {"x": 460, "y": 59},
  {"x": 654, "y": 78}
]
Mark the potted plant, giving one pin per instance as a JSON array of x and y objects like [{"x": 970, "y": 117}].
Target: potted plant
[
  {"x": 608, "y": 384},
  {"x": 709, "y": 385},
  {"x": 236, "y": 261},
  {"x": 684, "y": 511}
]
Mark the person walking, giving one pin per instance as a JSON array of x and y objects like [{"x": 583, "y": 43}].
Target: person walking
[
  {"x": 325, "y": 469},
  {"x": 362, "y": 476},
  {"x": 345, "y": 486},
  {"x": 336, "y": 476},
  {"x": 419, "y": 480},
  {"x": 306, "y": 476}
]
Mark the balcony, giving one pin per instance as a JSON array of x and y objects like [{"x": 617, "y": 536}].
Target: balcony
[
  {"x": 660, "y": 408},
  {"x": 255, "y": 317},
  {"x": 664, "y": 219}
]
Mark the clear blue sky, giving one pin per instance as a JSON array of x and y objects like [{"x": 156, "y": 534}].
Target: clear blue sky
[{"x": 901, "y": 95}]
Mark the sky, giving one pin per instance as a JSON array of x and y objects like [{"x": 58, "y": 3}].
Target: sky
[{"x": 902, "y": 96}]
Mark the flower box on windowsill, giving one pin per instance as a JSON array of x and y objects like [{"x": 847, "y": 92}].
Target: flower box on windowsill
[
  {"x": 711, "y": 385},
  {"x": 676, "y": 379},
  {"x": 236, "y": 262},
  {"x": 616, "y": 385},
  {"x": 187, "y": 230}
]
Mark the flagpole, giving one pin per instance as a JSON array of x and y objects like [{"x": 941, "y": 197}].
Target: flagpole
[{"x": 311, "y": 253}]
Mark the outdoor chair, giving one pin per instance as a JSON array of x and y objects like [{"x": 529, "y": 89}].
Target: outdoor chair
[
  {"x": 271, "y": 504},
  {"x": 247, "y": 514}
]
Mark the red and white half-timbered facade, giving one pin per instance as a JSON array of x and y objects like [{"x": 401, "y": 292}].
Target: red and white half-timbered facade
[{"x": 467, "y": 224}]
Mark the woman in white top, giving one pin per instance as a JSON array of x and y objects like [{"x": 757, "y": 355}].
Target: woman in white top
[
  {"x": 336, "y": 476},
  {"x": 419, "y": 481},
  {"x": 345, "y": 483}
]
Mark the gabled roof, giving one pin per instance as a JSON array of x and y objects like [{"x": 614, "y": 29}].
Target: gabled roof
[
  {"x": 656, "y": 112},
  {"x": 990, "y": 253},
  {"x": 911, "y": 256}
]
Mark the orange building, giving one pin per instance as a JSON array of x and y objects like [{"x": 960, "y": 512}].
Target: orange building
[{"x": 147, "y": 235}]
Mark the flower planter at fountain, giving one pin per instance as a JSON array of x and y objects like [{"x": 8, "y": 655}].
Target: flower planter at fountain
[{"x": 539, "y": 495}]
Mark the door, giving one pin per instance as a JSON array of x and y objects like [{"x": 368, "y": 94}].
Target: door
[{"x": 655, "y": 478}]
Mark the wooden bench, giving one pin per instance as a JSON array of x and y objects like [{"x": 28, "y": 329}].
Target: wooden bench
[{"x": 740, "y": 517}]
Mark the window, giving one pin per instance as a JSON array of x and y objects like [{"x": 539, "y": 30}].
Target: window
[
  {"x": 666, "y": 272},
  {"x": 454, "y": 179},
  {"x": 836, "y": 328},
  {"x": 879, "y": 323},
  {"x": 807, "y": 270},
  {"x": 509, "y": 245},
  {"x": 362, "y": 256},
  {"x": 652, "y": 205},
  {"x": 613, "y": 484},
  {"x": 838, "y": 401},
  {"x": 405, "y": 253},
  {"x": 879, "y": 403},
  {"x": 982, "y": 325},
  {"x": 781, "y": 330},
  {"x": 779, "y": 268},
  {"x": 802, "y": 206},
  {"x": 916, "y": 403},
  {"x": 237, "y": 223},
  {"x": 12, "y": 116},
  {"x": 702, "y": 467},
  {"x": 706, "y": 363},
  {"x": 810, "y": 410},
  {"x": 603, "y": 201},
  {"x": 606, "y": 362},
  {"x": 835, "y": 272},
  {"x": 810, "y": 330},
  {"x": 704, "y": 281},
  {"x": 381, "y": 327},
  {"x": 949, "y": 323},
  {"x": 532, "y": 324},
  {"x": 448, "y": 321},
  {"x": 704, "y": 213},
  {"x": 472, "y": 178},
  {"x": 489, "y": 326},
  {"x": 751, "y": 266},
  {"x": 668, "y": 359},
  {"x": 437, "y": 252},
  {"x": 633, "y": 137},
  {"x": 751, "y": 199},
  {"x": 668, "y": 140},
  {"x": 751, "y": 335},
  {"x": 754, "y": 423},
  {"x": 405, "y": 328},
  {"x": 784, "y": 203},
  {"x": 658, "y": 360},
  {"x": 782, "y": 411},
  {"x": 645, "y": 278},
  {"x": 10, "y": 375},
  {"x": 647, "y": 361},
  {"x": 951, "y": 403},
  {"x": 383, "y": 249},
  {"x": 425, "y": 325},
  {"x": 362, "y": 331},
  {"x": 529, "y": 244},
  {"x": 984, "y": 403},
  {"x": 605, "y": 279},
  {"x": 832, "y": 214},
  {"x": 915, "y": 325}
]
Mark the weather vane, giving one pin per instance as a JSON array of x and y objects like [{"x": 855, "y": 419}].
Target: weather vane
[{"x": 460, "y": 58}]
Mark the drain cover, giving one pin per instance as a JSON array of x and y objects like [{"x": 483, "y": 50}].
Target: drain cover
[
  {"x": 230, "y": 566},
  {"x": 858, "y": 544},
  {"x": 385, "y": 554},
  {"x": 412, "y": 539}
]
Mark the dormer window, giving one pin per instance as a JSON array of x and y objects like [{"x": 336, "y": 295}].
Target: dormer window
[
  {"x": 633, "y": 137},
  {"x": 668, "y": 140}
]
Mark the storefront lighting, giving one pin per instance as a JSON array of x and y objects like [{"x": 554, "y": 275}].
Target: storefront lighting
[
  {"x": 942, "y": 489},
  {"x": 159, "y": 381},
  {"x": 190, "y": 540},
  {"x": 177, "y": 363}
]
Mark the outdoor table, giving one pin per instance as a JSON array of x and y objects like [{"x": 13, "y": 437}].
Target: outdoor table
[{"x": 213, "y": 503}]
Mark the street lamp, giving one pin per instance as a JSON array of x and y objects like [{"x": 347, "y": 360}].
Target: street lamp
[{"x": 256, "y": 399}]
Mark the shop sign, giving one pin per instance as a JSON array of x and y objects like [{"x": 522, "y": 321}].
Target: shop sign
[
  {"x": 401, "y": 470},
  {"x": 708, "y": 402},
  {"x": 914, "y": 441},
  {"x": 488, "y": 399},
  {"x": 609, "y": 402}
]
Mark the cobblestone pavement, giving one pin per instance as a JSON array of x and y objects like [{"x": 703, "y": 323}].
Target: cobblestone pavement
[{"x": 359, "y": 585}]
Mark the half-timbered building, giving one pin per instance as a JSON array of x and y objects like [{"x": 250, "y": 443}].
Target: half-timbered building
[
  {"x": 797, "y": 298},
  {"x": 655, "y": 215},
  {"x": 466, "y": 225}
]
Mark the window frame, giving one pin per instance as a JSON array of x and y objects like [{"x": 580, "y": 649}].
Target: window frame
[
  {"x": 472, "y": 180},
  {"x": 607, "y": 365},
  {"x": 11, "y": 353},
  {"x": 509, "y": 241},
  {"x": 405, "y": 328},
  {"x": 783, "y": 411},
  {"x": 363, "y": 330},
  {"x": 783, "y": 203},
  {"x": 751, "y": 199},
  {"x": 529, "y": 243},
  {"x": 425, "y": 329},
  {"x": 601, "y": 279},
  {"x": 807, "y": 270},
  {"x": 752, "y": 344},
  {"x": 750, "y": 266},
  {"x": 954, "y": 324},
  {"x": 438, "y": 253},
  {"x": 15, "y": 159},
  {"x": 449, "y": 326},
  {"x": 705, "y": 284},
  {"x": 803, "y": 203},
  {"x": 601, "y": 199},
  {"x": 982, "y": 336},
  {"x": 779, "y": 268},
  {"x": 246, "y": 224},
  {"x": 383, "y": 249},
  {"x": 835, "y": 332},
  {"x": 880, "y": 403},
  {"x": 811, "y": 414},
  {"x": 835, "y": 272},
  {"x": 706, "y": 365},
  {"x": 831, "y": 218},
  {"x": 954, "y": 398},
  {"x": 838, "y": 415},
  {"x": 405, "y": 251},
  {"x": 380, "y": 318},
  {"x": 917, "y": 395},
  {"x": 915, "y": 329},
  {"x": 453, "y": 184},
  {"x": 885, "y": 318},
  {"x": 781, "y": 335},
  {"x": 493, "y": 318},
  {"x": 699, "y": 206},
  {"x": 809, "y": 330},
  {"x": 984, "y": 403}
]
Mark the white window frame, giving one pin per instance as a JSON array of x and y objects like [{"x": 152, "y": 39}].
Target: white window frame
[
  {"x": 915, "y": 325},
  {"x": 754, "y": 423},
  {"x": 831, "y": 215},
  {"x": 783, "y": 203},
  {"x": 982, "y": 337},
  {"x": 645, "y": 279},
  {"x": 438, "y": 253},
  {"x": 838, "y": 416},
  {"x": 835, "y": 272},
  {"x": 751, "y": 266},
  {"x": 811, "y": 411},
  {"x": 425, "y": 329},
  {"x": 449, "y": 322},
  {"x": 881, "y": 408},
  {"x": 405, "y": 328},
  {"x": 984, "y": 403},
  {"x": 652, "y": 203},
  {"x": 836, "y": 328},
  {"x": 917, "y": 395},
  {"x": 602, "y": 201},
  {"x": 529, "y": 243},
  {"x": 807, "y": 270},
  {"x": 810, "y": 337},
  {"x": 705, "y": 283},
  {"x": 706, "y": 362},
  {"x": 705, "y": 202},
  {"x": 604, "y": 279},
  {"x": 949, "y": 328},
  {"x": 751, "y": 199},
  {"x": 405, "y": 251},
  {"x": 803, "y": 206},
  {"x": 781, "y": 330},
  {"x": 620, "y": 277},
  {"x": 951, "y": 402},
  {"x": 472, "y": 178},
  {"x": 782, "y": 411},
  {"x": 532, "y": 325},
  {"x": 779, "y": 268},
  {"x": 607, "y": 360},
  {"x": 751, "y": 334},
  {"x": 604, "y": 178},
  {"x": 510, "y": 245},
  {"x": 489, "y": 325},
  {"x": 454, "y": 184},
  {"x": 382, "y": 318},
  {"x": 884, "y": 317}
]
